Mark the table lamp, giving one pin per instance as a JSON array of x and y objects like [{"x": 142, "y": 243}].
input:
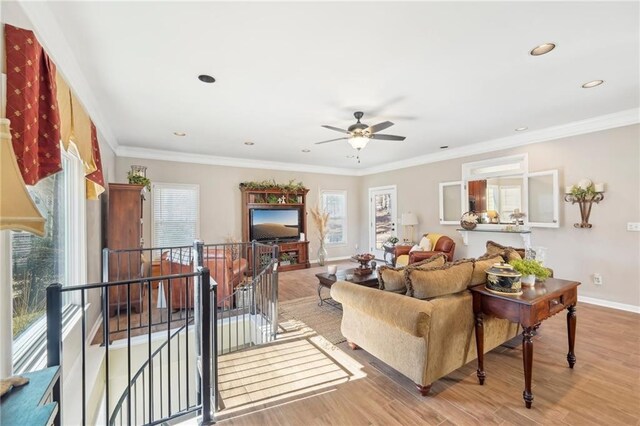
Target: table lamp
[{"x": 409, "y": 220}]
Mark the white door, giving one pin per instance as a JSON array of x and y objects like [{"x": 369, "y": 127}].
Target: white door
[{"x": 382, "y": 218}]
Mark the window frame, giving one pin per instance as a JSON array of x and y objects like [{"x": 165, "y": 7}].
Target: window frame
[
  {"x": 154, "y": 187},
  {"x": 343, "y": 193},
  {"x": 75, "y": 259}
]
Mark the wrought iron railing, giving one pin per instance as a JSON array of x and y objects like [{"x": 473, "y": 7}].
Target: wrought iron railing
[{"x": 233, "y": 291}]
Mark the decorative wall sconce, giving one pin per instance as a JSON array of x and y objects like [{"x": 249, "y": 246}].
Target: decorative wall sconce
[{"x": 585, "y": 193}]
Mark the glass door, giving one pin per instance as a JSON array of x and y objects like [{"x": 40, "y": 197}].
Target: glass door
[{"x": 382, "y": 218}]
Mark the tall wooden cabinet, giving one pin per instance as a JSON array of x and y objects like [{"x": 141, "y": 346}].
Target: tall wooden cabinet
[
  {"x": 293, "y": 254},
  {"x": 123, "y": 226}
]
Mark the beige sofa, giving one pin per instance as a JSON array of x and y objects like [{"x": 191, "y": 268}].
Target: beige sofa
[{"x": 422, "y": 339}]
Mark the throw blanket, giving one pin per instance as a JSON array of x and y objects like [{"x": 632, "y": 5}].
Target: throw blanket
[{"x": 434, "y": 239}]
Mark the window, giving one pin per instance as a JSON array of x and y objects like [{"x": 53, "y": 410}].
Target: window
[
  {"x": 59, "y": 256},
  {"x": 175, "y": 214},
  {"x": 335, "y": 203}
]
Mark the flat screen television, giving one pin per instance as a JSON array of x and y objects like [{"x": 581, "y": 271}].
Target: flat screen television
[{"x": 274, "y": 224}]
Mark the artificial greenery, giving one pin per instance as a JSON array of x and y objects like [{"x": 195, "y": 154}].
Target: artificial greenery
[
  {"x": 290, "y": 187},
  {"x": 583, "y": 193},
  {"x": 139, "y": 180},
  {"x": 530, "y": 267}
]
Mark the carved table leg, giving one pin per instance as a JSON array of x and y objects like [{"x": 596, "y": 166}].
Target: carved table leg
[
  {"x": 319, "y": 295},
  {"x": 571, "y": 333},
  {"x": 424, "y": 390},
  {"x": 480, "y": 347},
  {"x": 527, "y": 359}
]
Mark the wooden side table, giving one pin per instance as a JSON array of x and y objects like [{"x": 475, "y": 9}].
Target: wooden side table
[{"x": 529, "y": 309}]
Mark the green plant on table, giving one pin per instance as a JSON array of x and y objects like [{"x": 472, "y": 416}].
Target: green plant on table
[{"x": 530, "y": 267}]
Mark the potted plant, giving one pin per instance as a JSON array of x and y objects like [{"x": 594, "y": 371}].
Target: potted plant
[
  {"x": 531, "y": 270},
  {"x": 139, "y": 180}
]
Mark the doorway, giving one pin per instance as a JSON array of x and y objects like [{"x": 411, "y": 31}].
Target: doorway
[{"x": 382, "y": 217}]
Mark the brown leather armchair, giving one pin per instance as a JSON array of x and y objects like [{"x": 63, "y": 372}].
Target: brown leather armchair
[
  {"x": 226, "y": 271},
  {"x": 444, "y": 245}
]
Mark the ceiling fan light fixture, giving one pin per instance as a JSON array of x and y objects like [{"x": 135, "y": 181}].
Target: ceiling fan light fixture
[{"x": 358, "y": 142}]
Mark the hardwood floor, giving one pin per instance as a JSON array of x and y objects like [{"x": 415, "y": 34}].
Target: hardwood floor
[{"x": 603, "y": 388}]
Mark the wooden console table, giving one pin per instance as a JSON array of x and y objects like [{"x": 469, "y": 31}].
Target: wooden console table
[{"x": 529, "y": 309}]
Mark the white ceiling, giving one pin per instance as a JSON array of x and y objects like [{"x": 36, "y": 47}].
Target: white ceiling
[{"x": 445, "y": 73}]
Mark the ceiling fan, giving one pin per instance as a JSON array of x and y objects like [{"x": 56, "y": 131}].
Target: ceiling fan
[{"x": 359, "y": 133}]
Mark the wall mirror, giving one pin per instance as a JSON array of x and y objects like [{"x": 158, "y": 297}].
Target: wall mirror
[{"x": 498, "y": 187}]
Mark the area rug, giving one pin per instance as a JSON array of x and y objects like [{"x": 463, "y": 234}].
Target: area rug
[{"x": 325, "y": 319}]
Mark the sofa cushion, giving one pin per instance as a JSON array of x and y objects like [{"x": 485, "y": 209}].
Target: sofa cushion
[
  {"x": 480, "y": 265},
  {"x": 392, "y": 279},
  {"x": 448, "y": 279},
  {"x": 495, "y": 248}
]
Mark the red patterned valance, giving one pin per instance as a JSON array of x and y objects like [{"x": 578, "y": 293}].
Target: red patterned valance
[
  {"x": 32, "y": 105},
  {"x": 95, "y": 180}
]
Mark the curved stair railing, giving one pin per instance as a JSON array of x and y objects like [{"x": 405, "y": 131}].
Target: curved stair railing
[
  {"x": 245, "y": 318},
  {"x": 141, "y": 386}
]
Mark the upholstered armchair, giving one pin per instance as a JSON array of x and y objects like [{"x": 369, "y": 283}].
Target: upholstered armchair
[
  {"x": 439, "y": 244},
  {"x": 225, "y": 270}
]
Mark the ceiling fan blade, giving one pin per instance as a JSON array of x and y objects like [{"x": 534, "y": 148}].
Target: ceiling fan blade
[
  {"x": 388, "y": 137},
  {"x": 379, "y": 126},
  {"x": 335, "y": 128},
  {"x": 330, "y": 140}
]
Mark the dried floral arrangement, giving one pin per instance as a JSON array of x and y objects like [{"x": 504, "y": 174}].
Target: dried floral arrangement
[{"x": 321, "y": 220}]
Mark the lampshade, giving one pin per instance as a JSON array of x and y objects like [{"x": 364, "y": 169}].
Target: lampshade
[
  {"x": 409, "y": 219},
  {"x": 18, "y": 212},
  {"x": 358, "y": 142}
]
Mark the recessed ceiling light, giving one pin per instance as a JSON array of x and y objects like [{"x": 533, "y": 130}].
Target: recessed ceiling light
[
  {"x": 249, "y": 143},
  {"x": 306, "y": 150},
  {"x": 444, "y": 147},
  {"x": 180, "y": 133},
  {"x": 521, "y": 129},
  {"x": 591, "y": 84},
  {"x": 205, "y": 78},
  {"x": 542, "y": 49}
]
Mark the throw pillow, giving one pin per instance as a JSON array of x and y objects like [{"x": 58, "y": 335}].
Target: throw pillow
[
  {"x": 495, "y": 248},
  {"x": 434, "y": 261},
  {"x": 416, "y": 248},
  {"x": 425, "y": 243},
  {"x": 480, "y": 265},
  {"x": 391, "y": 279},
  {"x": 511, "y": 254},
  {"x": 448, "y": 279}
]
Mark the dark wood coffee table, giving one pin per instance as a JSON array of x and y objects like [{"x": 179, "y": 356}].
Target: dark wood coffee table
[{"x": 326, "y": 280}]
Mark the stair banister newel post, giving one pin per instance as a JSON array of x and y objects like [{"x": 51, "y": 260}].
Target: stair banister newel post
[
  {"x": 205, "y": 339},
  {"x": 54, "y": 341},
  {"x": 198, "y": 248}
]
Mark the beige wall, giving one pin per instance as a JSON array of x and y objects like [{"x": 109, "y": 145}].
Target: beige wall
[
  {"x": 220, "y": 201},
  {"x": 611, "y": 156}
]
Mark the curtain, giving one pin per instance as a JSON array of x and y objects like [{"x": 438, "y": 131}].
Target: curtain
[
  {"x": 32, "y": 105},
  {"x": 95, "y": 180}
]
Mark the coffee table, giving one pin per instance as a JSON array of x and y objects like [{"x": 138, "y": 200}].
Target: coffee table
[{"x": 326, "y": 280}]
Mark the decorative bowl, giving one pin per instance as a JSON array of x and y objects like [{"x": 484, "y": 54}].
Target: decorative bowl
[{"x": 502, "y": 278}]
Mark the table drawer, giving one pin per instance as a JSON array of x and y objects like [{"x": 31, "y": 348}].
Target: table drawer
[{"x": 556, "y": 304}]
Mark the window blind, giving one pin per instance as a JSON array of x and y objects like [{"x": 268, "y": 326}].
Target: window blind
[{"x": 175, "y": 220}]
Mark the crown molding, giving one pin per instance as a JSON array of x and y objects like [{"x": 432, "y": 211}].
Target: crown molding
[
  {"x": 590, "y": 125},
  {"x": 186, "y": 157},
  {"x": 47, "y": 29}
]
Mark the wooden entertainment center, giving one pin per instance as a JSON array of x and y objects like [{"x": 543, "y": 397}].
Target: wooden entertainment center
[{"x": 293, "y": 254}]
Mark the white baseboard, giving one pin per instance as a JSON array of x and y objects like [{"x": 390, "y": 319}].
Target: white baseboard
[
  {"x": 609, "y": 304},
  {"x": 94, "y": 330}
]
